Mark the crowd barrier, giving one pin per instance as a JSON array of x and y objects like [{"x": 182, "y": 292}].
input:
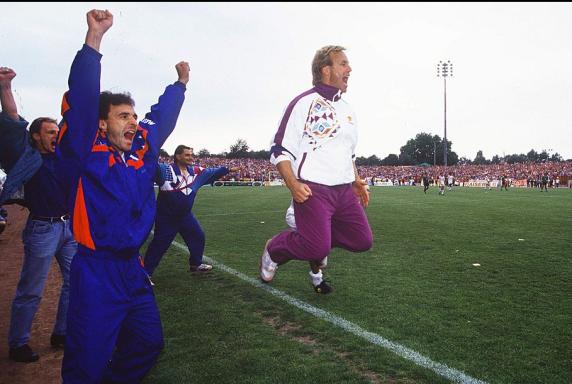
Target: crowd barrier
[
  {"x": 219, "y": 183},
  {"x": 471, "y": 183}
]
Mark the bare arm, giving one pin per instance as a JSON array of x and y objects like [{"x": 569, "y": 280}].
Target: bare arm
[
  {"x": 98, "y": 23},
  {"x": 360, "y": 188},
  {"x": 6, "y": 96},
  {"x": 300, "y": 191}
]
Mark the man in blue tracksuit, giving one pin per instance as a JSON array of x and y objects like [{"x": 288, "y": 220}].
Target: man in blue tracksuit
[
  {"x": 114, "y": 329},
  {"x": 178, "y": 187}
]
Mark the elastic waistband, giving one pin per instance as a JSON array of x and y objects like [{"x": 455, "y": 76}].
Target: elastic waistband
[
  {"x": 49, "y": 219},
  {"x": 339, "y": 186}
]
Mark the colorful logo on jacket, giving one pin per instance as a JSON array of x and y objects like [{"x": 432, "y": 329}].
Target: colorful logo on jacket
[{"x": 322, "y": 121}]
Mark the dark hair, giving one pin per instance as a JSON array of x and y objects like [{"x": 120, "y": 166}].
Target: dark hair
[
  {"x": 322, "y": 59},
  {"x": 180, "y": 149},
  {"x": 106, "y": 99},
  {"x": 36, "y": 126}
]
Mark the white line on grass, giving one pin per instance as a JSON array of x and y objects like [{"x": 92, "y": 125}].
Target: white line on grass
[
  {"x": 238, "y": 213},
  {"x": 407, "y": 353}
]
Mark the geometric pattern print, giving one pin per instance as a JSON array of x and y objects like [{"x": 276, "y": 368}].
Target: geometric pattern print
[
  {"x": 322, "y": 122},
  {"x": 178, "y": 183}
]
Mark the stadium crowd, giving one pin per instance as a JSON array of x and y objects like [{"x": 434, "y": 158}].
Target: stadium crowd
[{"x": 528, "y": 173}]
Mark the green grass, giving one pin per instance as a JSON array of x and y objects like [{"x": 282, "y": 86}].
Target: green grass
[{"x": 505, "y": 321}]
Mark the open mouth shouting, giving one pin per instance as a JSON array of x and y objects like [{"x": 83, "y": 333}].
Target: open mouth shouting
[{"x": 129, "y": 134}]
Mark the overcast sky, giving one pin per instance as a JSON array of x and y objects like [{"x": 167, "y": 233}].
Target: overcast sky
[{"x": 511, "y": 90}]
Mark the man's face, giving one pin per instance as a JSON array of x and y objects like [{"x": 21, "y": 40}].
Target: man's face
[
  {"x": 45, "y": 140},
  {"x": 186, "y": 158},
  {"x": 338, "y": 73},
  {"x": 120, "y": 126}
]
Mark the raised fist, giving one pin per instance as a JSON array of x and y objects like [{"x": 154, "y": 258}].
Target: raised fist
[
  {"x": 183, "y": 70},
  {"x": 6, "y": 75},
  {"x": 99, "y": 21}
]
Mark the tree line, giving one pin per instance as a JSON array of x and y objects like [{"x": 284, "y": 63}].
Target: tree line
[{"x": 422, "y": 149}]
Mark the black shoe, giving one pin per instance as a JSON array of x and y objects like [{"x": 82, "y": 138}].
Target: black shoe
[
  {"x": 323, "y": 288},
  {"x": 57, "y": 341},
  {"x": 23, "y": 354}
]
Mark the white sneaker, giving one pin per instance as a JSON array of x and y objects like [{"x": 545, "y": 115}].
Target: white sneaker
[
  {"x": 267, "y": 266},
  {"x": 324, "y": 262},
  {"x": 201, "y": 268}
]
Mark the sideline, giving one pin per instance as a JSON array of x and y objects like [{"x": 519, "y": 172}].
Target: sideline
[{"x": 407, "y": 353}]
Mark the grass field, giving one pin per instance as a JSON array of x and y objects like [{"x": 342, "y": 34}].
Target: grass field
[{"x": 508, "y": 320}]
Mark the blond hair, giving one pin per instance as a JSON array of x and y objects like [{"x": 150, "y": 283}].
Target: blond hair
[{"x": 321, "y": 59}]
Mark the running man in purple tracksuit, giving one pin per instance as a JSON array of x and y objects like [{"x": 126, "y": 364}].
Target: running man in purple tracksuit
[{"x": 314, "y": 150}]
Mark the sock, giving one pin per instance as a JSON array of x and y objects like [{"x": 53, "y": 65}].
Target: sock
[{"x": 316, "y": 278}]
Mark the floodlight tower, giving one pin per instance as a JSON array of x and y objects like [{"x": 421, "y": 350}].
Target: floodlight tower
[{"x": 445, "y": 70}]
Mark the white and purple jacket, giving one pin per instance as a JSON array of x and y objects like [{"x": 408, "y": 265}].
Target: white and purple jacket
[{"x": 318, "y": 135}]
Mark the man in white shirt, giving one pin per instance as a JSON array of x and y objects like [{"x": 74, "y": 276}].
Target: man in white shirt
[{"x": 314, "y": 151}]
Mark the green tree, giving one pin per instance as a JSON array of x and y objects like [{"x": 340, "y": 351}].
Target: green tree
[
  {"x": 262, "y": 154},
  {"x": 480, "y": 159},
  {"x": 543, "y": 156},
  {"x": 406, "y": 159},
  {"x": 514, "y": 158},
  {"x": 465, "y": 161},
  {"x": 373, "y": 160},
  {"x": 556, "y": 157},
  {"x": 532, "y": 156},
  {"x": 204, "y": 153},
  {"x": 391, "y": 159},
  {"x": 425, "y": 148},
  {"x": 238, "y": 150}
]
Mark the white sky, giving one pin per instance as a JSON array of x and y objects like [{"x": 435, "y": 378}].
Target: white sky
[{"x": 511, "y": 90}]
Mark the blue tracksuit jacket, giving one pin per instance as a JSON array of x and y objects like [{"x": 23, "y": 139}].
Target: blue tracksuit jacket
[{"x": 114, "y": 330}]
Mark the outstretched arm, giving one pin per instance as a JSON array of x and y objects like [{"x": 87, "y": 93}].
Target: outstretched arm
[{"x": 6, "y": 97}]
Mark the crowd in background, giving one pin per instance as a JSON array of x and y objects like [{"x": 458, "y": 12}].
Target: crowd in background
[{"x": 263, "y": 170}]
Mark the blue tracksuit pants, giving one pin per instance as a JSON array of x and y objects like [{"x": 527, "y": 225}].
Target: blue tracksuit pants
[
  {"x": 166, "y": 228},
  {"x": 114, "y": 330}
]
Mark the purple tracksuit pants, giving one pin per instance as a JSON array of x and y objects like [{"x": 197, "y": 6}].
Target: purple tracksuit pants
[{"x": 331, "y": 217}]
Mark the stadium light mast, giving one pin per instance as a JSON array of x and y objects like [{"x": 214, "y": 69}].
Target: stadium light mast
[{"x": 444, "y": 70}]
